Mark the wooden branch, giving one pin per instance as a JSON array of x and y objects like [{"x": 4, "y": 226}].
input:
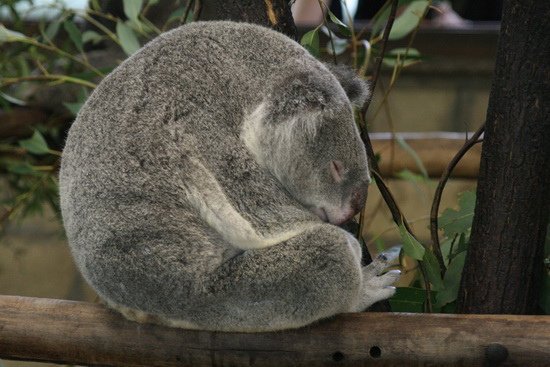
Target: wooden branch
[
  {"x": 434, "y": 213},
  {"x": 435, "y": 150},
  {"x": 84, "y": 333}
]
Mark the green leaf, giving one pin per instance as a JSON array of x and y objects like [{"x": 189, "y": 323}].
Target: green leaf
[
  {"x": 36, "y": 144},
  {"x": 344, "y": 29},
  {"x": 310, "y": 41},
  {"x": 451, "y": 281},
  {"x": 410, "y": 176},
  {"x": 91, "y": 36},
  {"x": 433, "y": 271},
  {"x": 7, "y": 35},
  {"x": 380, "y": 244},
  {"x": 408, "y": 299},
  {"x": 407, "y": 148},
  {"x": 454, "y": 222},
  {"x": 52, "y": 29},
  {"x": 340, "y": 46},
  {"x": 381, "y": 17},
  {"x": 127, "y": 38},
  {"x": 20, "y": 168},
  {"x": 74, "y": 33},
  {"x": 74, "y": 107},
  {"x": 397, "y": 55},
  {"x": 12, "y": 99},
  {"x": 408, "y": 19},
  {"x": 132, "y": 9},
  {"x": 411, "y": 246}
]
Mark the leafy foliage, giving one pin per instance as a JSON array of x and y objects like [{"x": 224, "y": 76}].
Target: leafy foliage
[{"x": 49, "y": 58}]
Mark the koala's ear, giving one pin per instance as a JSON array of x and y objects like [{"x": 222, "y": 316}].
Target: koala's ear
[
  {"x": 356, "y": 88},
  {"x": 298, "y": 93}
]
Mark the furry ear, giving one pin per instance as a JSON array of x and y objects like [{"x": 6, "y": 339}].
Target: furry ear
[
  {"x": 298, "y": 93},
  {"x": 356, "y": 88}
]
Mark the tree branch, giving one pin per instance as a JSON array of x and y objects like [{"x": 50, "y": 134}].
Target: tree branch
[{"x": 439, "y": 192}]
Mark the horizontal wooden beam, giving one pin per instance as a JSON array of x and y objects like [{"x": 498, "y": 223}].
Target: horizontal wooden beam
[
  {"x": 90, "y": 334},
  {"x": 434, "y": 149}
]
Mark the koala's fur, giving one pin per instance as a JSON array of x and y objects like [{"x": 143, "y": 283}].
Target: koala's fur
[{"x": 190, "y": 177}]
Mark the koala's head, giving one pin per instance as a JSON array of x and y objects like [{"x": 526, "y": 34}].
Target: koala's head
[{"x": 305, "y": 135}]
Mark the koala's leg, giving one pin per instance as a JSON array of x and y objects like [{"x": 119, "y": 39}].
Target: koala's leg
[{"x": 311, "y": 276}]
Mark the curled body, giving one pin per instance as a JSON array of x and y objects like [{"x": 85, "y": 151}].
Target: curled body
[{"x": 202, "y": 182}]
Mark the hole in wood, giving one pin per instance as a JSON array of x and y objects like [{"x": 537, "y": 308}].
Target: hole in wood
[
  {"x": 375, "y": 352},
  {"x": 337, "y": 356}
]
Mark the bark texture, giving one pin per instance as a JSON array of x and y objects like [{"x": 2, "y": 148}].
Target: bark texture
[
  {"x": 504, "y": 262},
  {"x": 270, "y": 13}
]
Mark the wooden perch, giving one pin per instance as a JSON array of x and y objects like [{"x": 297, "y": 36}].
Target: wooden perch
[
  {"x": 90, "y": 334},
  {"x": 435, "y": 150}
]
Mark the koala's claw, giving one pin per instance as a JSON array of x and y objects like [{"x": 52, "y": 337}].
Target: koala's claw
[
  {"x": 378, "y": 286},
  {"x": 381, "y": 262}
]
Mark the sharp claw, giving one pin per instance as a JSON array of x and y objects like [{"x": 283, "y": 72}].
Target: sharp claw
[{"x": 395, "y": 271}]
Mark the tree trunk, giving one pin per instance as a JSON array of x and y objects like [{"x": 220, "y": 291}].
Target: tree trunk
[
  {"x": 504, "y": 262},
  {"x": 270, "y": 13}
]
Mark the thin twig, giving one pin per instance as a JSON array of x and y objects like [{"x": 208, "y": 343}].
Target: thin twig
[
  {"x": 52, "y": 77},
  {"x": 439, "y": 192},
  {"x": 185, "y": 14},
  {"x": 324, "y": 7},
  {"x": 197, "y": 10},
  {"x": 380, "y": 57}
]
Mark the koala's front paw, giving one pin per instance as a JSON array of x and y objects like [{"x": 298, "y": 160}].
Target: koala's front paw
[{"x": 377, "y": 287}]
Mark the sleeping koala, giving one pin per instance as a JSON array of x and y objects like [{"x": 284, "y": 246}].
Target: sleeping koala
[{"x": 202, "y": 182}]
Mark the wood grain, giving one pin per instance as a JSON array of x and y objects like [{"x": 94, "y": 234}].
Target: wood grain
[{"x": 90, "y": 334}]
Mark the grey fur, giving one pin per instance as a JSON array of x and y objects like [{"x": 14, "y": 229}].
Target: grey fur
[{"x": 187, "y": 176}]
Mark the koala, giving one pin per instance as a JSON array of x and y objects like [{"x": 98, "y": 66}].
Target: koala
[{"x": 203, "y": 182}]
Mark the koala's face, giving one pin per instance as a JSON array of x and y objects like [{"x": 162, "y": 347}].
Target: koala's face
[
  {"x": 304, "y": 133},
  {"x": 330, "y": 175}
]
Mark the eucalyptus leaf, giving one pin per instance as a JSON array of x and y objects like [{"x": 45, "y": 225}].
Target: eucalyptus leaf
[
  {"x": 411, "y": 246},
  {"x": 91, "y": 36},
  {"x": 397, "y": 55},
  {"x": 74, "y": 33},
  {"x": 132, "y": 9},
  {"x": 310, "y": 41},
  {"x": 20, "y": 168},
  {"x": 340, "y": 46},
  {"x": 408, "y": 19},
  {"x": 379, "y": 20},
  {"x": 451, "y": 281},
  {"x": 127, "y": 38},
  {"x": 12, "y": 99},
  {"x": 7, "y": 35},
  {"x": 408, "y": 299},
  {"x": 433, "y": 271},
  {"x": 344, "y": 29},
  {"x": 407, "y": 148},
  {"x": 35, "y": 144},
  {"x": 52, "y": 29},
  {"x": 410, "y": 176},
  {"x": 454, "y": 222}
]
